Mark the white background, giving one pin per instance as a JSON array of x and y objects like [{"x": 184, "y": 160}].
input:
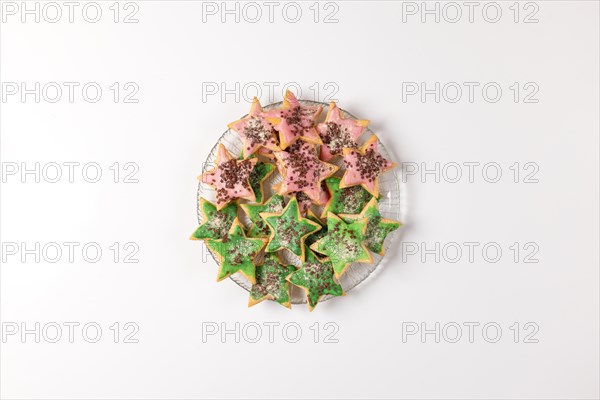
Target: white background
[{"x": 171, "y": 292}]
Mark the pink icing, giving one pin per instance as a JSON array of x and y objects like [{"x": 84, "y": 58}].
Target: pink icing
[
  {"x": 304, "y": 202},
  {"x": 295, "y": 121},
  {"x": 338, "y": 133},
  {"x": 230, "y": 178},
  {"x": 303, "y": 171},
  {"x": 364, "y": 166},
  {"x": 255, "y": 131}
]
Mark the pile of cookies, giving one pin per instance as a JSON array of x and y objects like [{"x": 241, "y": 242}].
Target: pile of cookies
[{"x": 288, "y": 140}]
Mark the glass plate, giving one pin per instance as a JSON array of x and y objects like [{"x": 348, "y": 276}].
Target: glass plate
[{"x": 391, "y": 205}]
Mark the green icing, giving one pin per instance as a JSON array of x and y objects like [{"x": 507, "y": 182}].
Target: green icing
[
  {"x": 349, "y": 200},
  {"x": 259, "y": 228},
  {"x": 343, "y": 243},
  {"x": 259, "y": 173},
  {"x": 271, "y": 280},
  {"x": 236, "y": 253},
  {"x": 377, "y": 228},
  {"x": 314, "y": 237},
  {"x": 317, "y": 278},
  {"x": 289, "y": 229},
  {"x": 216, "y": 223}
]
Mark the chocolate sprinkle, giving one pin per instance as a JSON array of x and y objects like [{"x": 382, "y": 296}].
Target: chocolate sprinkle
[
  {"x": 370, "y": 164},
  {"x": 259, "y": 132},
  {"x": 337, "y": 137}
]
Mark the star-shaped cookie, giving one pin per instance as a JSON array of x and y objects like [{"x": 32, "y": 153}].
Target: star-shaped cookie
[
  {"x": 255, "y": 131},
  {"x": 302, "y": 171},
  {"x": 289, "y": 229},
  {"x": 316, "y": 277},
  {"x": 314, "y": 237},
  {"x": 344, "y": 200},
  {"x": 271, "y": 281},
  {"x": 338, "y": 133},
  {"x": 216, "y": 223},
  {"x": 260, "y": 173},
  {"x": 364, "y": 165},
  {"x": 236, "y": 252},
  {"x": 230, "y": 178},
  {"x": 263, "y": 151},
  {"x": 304, "y": 202},
  {"x": 294, "y": 121},
  {"x": 343, "y": 243},
  {"x": 377, "y": 228},
  {"x": 259, "y": 227}
]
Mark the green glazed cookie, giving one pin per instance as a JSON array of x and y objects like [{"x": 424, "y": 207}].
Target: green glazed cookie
[
  {"x": 377, "y": 228},
  {"x": 236, "y": 252},
  {"x": 259, "y": 228},
  {"x": 343, "y": 243},
  {"x": 313, "y": 237},
  {"x": 271, "y": 282},
  {"x": 289, "y": 229},
  {"x": 258, "y": 176},
  {"x": 316, "y": 277},
  {"x": 216, "y": 223},
  {"x": 349, "y": 200}
]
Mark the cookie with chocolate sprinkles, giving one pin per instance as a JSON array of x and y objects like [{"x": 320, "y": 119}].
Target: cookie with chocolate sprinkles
[
  {"x": 271, "y": 281},
  {"x": 338, "y": 133},
  {"x": 304, "y": 202},
  {"x": 230, "y": 178},
  {"x": 259, "y": 228},
  {"x": 258, "y": 176},
  {"x": 216, "y": 223},
  {"x": 378, "y": 228},
  {"x": 364, "y": 165},
  {"x": 289, "y": 230},
  {"x": 255, "y": 131},
  {"x": 343, "y": 243},
  {"x": 236, "y": 252},
  {"x": 294, "y": 121},
  {"x": 316, "y": 277},
  {"x": 313, "y": 237},
  {"x": 303, "y": 171},
  {"x": 350, "y": 200}
]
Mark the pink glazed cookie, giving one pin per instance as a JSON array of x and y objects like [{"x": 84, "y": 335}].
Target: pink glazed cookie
[
  {"x": 302, "y": 171},
  {"x": 230, "y": 178},
  {"x": 294, "y": 121},
  {"x": 338, "y": 133},
  {"x": 364, "y": 165}
]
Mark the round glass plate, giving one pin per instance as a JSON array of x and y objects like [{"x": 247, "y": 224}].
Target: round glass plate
[{"x": 391, "y": 205}]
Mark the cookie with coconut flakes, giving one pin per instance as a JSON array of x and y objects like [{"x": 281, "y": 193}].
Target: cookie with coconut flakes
[
  {"x": 317, "y": 278},
  {"x": 271, "y": 281},
  {"x": 230, "y": 178},
  {"x": 259, "y": 228},
  {"x": 261, "y": 172},
  {"x": 364, "y": 165},
  {"x": 378, "y": 228},
  {"x": 315, "y": 237},
  {"x": 294, "y": 121},
  {"x": 343, "y": 243},
  {"x": 305, "y": 203},
  {"x": 344, "y": 200},
  {"x": 303, "y": 171},
  {"x": 255, "y": 131},
  {"x": 236, "y": 252},
  {"x": 289, "y": 229},
  {"x": 338, "y": 133},
  {"x": 216, "y": 223}
]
